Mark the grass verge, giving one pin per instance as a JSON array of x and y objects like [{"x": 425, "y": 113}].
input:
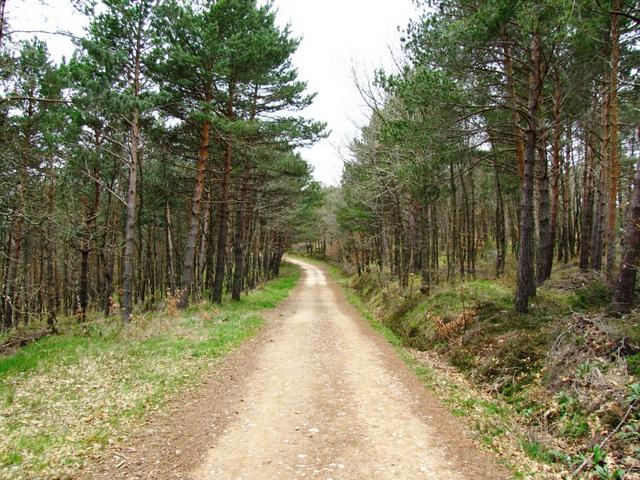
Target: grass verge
[
  {"x": 489, "y": 419},
  {"x": 66, "y": 396}
]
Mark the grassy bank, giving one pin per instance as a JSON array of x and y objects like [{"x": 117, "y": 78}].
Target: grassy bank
[
  {"x": 64, "y": 397},
  {"x": 540, "y": 389}
]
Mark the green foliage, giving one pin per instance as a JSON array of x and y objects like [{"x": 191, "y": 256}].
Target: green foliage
[
  {"x": 601, "y": 469},
  {"x": 538, "y": 451},
  {"x": 634, "y": 392},
  {"x": 230, "y": 64},
  {"x": 595, "y": 294}
]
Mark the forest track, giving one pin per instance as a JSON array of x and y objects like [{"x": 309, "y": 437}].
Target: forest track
[{"x": 319, "y": 395}]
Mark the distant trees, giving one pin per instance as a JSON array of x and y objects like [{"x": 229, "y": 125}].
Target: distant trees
[
  {"x": 123, "y": 164},
  {"x": 509, "y": 126},
  {"x": 225, "y": 68}
]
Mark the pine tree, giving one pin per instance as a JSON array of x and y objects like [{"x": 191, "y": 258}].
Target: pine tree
[{"x": 117, "y": 43}]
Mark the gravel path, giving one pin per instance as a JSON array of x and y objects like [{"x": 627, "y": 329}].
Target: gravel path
[{"x": 318, "y": 395}]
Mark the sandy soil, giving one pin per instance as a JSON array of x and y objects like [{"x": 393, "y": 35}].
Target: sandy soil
[{"x": 317, "y": 395}]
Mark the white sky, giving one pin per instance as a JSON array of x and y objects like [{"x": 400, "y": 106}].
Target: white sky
[{"x": 336, "y": 36}]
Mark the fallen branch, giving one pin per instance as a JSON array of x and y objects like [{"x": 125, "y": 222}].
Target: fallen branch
[
  {"x": 605, "y": 440},
  {"x": 34, "y": 99}
]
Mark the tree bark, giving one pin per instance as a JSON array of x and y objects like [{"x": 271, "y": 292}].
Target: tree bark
[
  {"x": 14, "y": 271},
  {"x": 204, "y": 245},
  {"x": 196, "y": 210},
  {"x": 567, "y": 225},
  {"x": 614, "y": 166},
  {"x": 129, "y": 246},
  {"x": 544, "y": 257},
  {"x": 132, "y": 189},
  {"x": 425, "y": 250},
  {"x": 597, "y": 240},
  {"x": 2, "y": 23},
  {"x": 625, "y": 286},
  {"x": 170, "y": 249},
  {"x": 526, "y": 286},
  {"x": 556, "y": 169},
  {"x": 221, "y": 247},
  {"x": 586, "y": 223},
  {"x": 511, "y": 93},
  {"x": 501, "y": 238},
  {"x": 51, "y": 286},
  {"x": 238, "y": 240}
]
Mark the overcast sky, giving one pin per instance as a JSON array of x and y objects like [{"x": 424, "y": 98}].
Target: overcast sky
[{"x": 336, "y": 36}]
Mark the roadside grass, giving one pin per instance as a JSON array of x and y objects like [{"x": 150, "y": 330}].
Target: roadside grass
[
  {"x": 488, "y": 419},
  {"x": 540, "y": 388},
  {"x": 66, "y": 396}
]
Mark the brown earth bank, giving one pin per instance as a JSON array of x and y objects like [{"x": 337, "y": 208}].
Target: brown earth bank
[{"x": 317, "y": 394}]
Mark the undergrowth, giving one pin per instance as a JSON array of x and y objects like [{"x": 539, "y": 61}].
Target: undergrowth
[
  {"x": 543, "y": 389},
  {"x": 66, "y": 396}
]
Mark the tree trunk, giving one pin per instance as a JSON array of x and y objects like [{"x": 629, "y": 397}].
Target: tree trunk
[
  {"x": 204, "y": 244},
  {"x": 526, "y": 286},
  {"x": 425, "y": 250},
  {"x": 511, "y": 94},
  {"x": 129, "y": 246},
  {"x": 238, "y": 240},
  {"x": 501, "y": 238},
  {"x": 625, "y": 287},
  {"x": 221, "y": 247},
  {"x": 567, "y": 226},
  {"x": 555, "y": 172},
  {"x": 51, "y": 287},
  {"x": 544, "y": 257},
  {"x": 614, "y": 167},
  {"x": 170, "y": 255},
  {"x": 196, "y": 209},
  {"x": 586, "y": 223},
  {"x": 597, "y": 240},
  {"x": 2, "y": 9},
  {"x": 455, "y": 237},
  {"x": 223, "y": 220},
  {"x": 14, "y": 271}
]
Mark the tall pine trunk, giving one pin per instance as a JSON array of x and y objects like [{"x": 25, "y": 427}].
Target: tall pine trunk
[
  {"x": 586, "y": 222},
  {"x": 567, "y": 225},
  {"x": 425, "y": 250},
  {"x": 238, "y": 240},
  {"x": 196, "y": 210},
  {"x": 526, "y": 286},
  {"x": 51, "y": 286},
  {"x": 132, "y": 188},
  {"x": 501, "y": 237},
  {"x": 223, "y": 221},
  {"x": 511, "y": 94},
  {"x": 204, "y": 245},
  {"x": 556, "y": 170},
  {"x": 626, "y": 284},
  {"x": 129, "y": 243},
  {"x": 544, "y": 257},
  {"x": 597, "y": 239},
  {"x": 614, "y": 167},
  {"x": 171, "y": 270}
]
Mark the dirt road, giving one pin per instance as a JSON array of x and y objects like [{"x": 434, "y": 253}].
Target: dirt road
[{"x": 319, "y": 395}]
